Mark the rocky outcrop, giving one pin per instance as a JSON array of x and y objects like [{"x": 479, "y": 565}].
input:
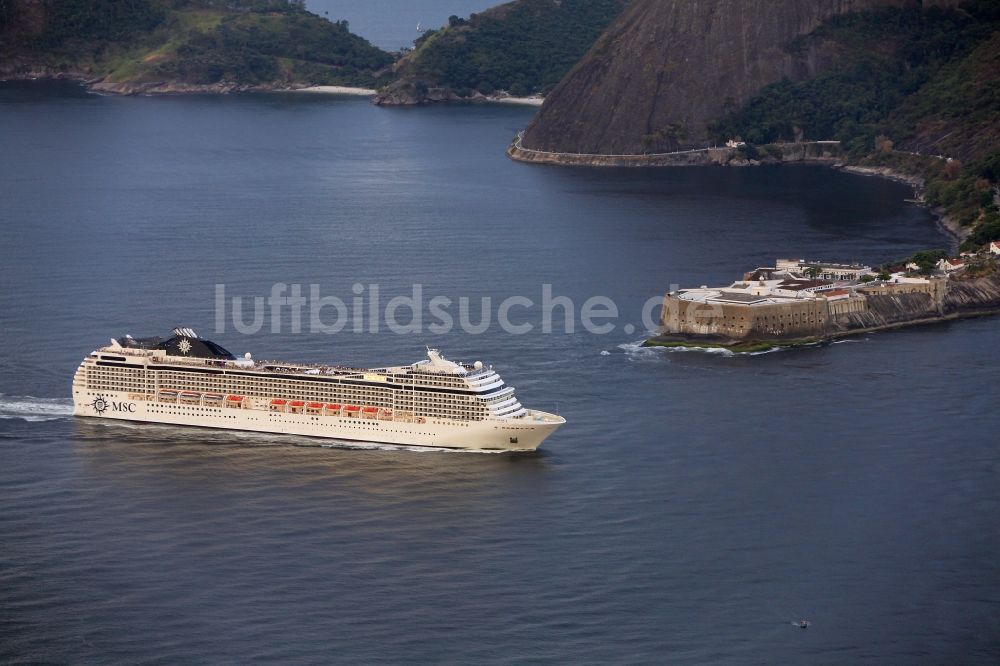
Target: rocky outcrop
[
  {"x": 665, "y": 68},
  {"x": 885, "y": 311},
  {"x": 973, "y": 295},
  {"x": 406, "y": 92}
]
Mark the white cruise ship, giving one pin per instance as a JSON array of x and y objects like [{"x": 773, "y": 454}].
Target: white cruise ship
[{"x": 187, "y": 380}]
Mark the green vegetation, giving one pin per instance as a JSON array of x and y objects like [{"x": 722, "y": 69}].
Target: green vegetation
[
  {"x": 259, "y": 48},
  {"x": 910, "y": 86},
  {"x": 895, "y": 66},
  {"x": 70, "y": 21},
  {"x": 927, "y": 260},
  {"x": 240, "y": 42},
  {"x": 979, "y": 268},
  {"x": 522, "y": 47}
]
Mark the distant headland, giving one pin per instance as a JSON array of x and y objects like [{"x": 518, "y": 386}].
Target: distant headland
[
  {"x": 779, "y": 77},
  {"x": 185, "y": 46},
  {"x": 512, "y": 53},
  {"x": 516, "y": 50}
]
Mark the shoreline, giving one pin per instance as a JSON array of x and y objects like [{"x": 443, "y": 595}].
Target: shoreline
[
  {"x": 947, "y": 225},
  {"x": 371, "y": 92},
  {"x": 809, "y": 152},
  {"x": 156, "y": 88},
  {"x": 334, "y": 90},
  {"x": 523, "y": 101},
  {"x": 824, "y": 152},
  {"x": 99, "y": 85}
]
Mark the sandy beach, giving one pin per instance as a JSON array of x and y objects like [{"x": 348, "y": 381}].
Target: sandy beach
[
  {"x": 338, "y": 90},
  {"x": 527, "y": 101},
  {"x": 368, "y": 92}
]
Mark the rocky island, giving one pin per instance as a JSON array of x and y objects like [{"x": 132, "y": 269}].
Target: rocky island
[{"x": 798, "y": 302}]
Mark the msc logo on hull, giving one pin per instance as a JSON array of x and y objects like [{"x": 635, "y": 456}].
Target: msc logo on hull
[{"x": 101, "y": 405}]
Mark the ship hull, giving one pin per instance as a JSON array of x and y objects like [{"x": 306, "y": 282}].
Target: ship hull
[{"x": 526, "y": 434}]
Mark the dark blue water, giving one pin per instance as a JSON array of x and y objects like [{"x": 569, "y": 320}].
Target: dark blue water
[{"x": 691, "y": 509}]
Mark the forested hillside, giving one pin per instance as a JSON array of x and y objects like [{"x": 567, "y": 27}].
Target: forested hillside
[
  {"x": 910, "y": 85},
  {"x": 522, "y": 47},
  {"x": 927, "y": 79},
  {"x": 136, "y": 45}
]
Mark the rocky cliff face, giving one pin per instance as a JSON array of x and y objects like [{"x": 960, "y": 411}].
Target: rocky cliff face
[
  {"x": 961, "y": 298},
  {"x": 971, "y": 295},
  {"x": 886, "y": 311},
  {"x": 665, "y": 68}
]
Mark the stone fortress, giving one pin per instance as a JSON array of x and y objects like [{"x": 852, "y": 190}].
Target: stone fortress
[{"x": 804, "y": 300}]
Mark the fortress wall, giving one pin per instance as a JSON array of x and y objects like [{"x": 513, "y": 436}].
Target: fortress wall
[
  {"x": 936, "y": 288},
  {"x": 877, "y": 308},
  {"x": 795, "y": 319},
  {"x": 847, "y": 306},
  {"x": 803, "y": 318}
]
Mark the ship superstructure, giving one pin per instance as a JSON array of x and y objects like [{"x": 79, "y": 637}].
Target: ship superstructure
[{"x": 184, "y": 379}]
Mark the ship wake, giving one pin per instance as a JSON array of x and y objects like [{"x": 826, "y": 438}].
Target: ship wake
[
  {"x": 636, "y": 351},
  {"x": 30, "y": 408}
]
